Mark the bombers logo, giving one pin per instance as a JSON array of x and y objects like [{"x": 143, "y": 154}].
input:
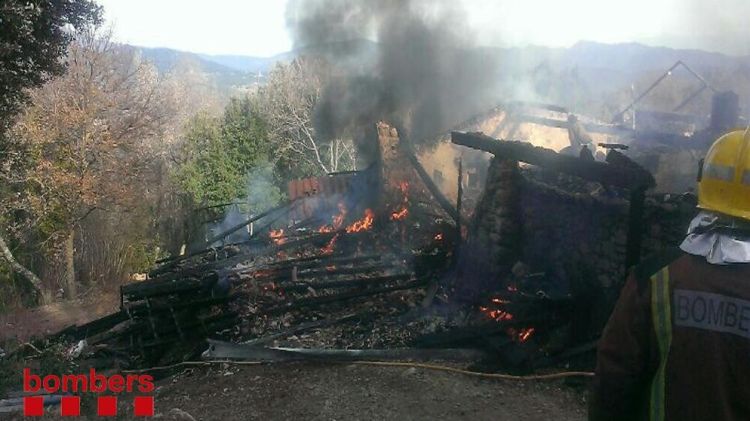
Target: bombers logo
[{"x": 107, "y": 386}]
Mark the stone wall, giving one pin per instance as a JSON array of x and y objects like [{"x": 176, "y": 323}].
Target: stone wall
[
  {"x": 577, "y": 239},
  {"x": 493, "y": 235},
  {"x": 569, "y": 232}
]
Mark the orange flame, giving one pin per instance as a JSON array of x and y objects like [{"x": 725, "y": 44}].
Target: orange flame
[
  {"x": 337, "y": 220},
  {"x": 363, "y": 224},
  {"x": 404, "y": 211},
  {"x": 522, "y": 335},
  {"x": 277, "y": 236},
  {"x": 330, "y": 246},
  {"x": 499, "y": 315},
  {"x": 525, "y": 334},
  {"x": 400, "y": 215}
]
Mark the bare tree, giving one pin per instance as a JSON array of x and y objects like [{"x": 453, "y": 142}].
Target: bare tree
[
  {"x": 288, "y": 102},
  {"x": 93, "y": 135},
  {"x": 36, "y": 284}
]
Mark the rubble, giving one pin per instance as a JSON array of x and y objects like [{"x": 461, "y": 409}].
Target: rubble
[{"x": 374, "y": 262}]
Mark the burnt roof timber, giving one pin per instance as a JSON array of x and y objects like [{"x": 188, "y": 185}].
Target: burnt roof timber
[{"x": 632, "y": 178}]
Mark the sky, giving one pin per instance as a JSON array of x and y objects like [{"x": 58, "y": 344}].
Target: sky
[{"x": 258, "y": 27}]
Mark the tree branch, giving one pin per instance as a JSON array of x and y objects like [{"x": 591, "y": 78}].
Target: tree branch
[{"x": 17, "y": 267}]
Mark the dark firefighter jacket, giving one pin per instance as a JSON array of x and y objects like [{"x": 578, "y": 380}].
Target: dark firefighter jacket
[{"x": 677, "y": 346}]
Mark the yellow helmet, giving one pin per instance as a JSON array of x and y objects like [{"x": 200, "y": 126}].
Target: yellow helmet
[{"x": 724, "y": 182}]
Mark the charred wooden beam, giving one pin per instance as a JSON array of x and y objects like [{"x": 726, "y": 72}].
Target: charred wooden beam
[
  {"x": 628, "y": 177},
  {"x": 431, "y": 186},
  {"x": 240, "y": 258},
  {"x": 147, "y": 289},
  {"x": 347, "y": 283},
  {"x": 473, "y": 334},
  {"x": 142, "y": 309},
  {"x": 315, "y": 261},
  {"x": 239, "y": 226},
  {"x": 196, "y": 330},
  {"x": 94, "y": 327},
  {"x": 323, "y": 272}
]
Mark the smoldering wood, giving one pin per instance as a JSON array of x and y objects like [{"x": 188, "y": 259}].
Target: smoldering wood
[
  {"x": 347, "y": 283},
  {"x": 304, "y": 327},
  {"x": 242, "y": 257},
  {"x": 314, "y": 261},
  {"x": 324, "y": 272},
  {"x": 318, "y": 301},
  {"x": 479, "y": 332},
  {"x": 247, "y": 222},
  {"x": 265, "y": 228},
  {"x": 614, "y": 175}
]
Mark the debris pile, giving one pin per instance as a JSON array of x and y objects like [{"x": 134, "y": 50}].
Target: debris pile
[{"x": 377, "y": 260}]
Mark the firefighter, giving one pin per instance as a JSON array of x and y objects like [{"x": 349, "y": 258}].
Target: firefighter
[{"x": 677, "y": 346}]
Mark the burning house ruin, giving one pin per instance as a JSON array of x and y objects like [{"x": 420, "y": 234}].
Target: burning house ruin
[
  {"x": 467, "y": 245},
  {"x": 382, "y": 260}
]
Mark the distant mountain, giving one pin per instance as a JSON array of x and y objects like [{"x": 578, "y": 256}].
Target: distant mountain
[
  {"x": 247, "y": 64},
  {"x": 584, "y": 77},
  {"x": 228, "y": 81},
  {"x": 635, "y": 58},
  {"x": 166, "y": 59},
  {"x": 626, "y": 58}
]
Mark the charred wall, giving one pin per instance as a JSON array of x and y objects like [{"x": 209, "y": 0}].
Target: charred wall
[
  {"x": 577, "y": 239},
  {"x": 570, "y": 235}
]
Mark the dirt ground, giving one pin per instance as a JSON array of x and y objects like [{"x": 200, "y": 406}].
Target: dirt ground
[
  {"x": 307, "y": 391},
  {"x": 39, "y": 321},
  {"x": 355, "y": 392}
]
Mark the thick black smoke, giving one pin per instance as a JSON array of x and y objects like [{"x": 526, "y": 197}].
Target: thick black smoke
[{"x": 422, "y": 73}]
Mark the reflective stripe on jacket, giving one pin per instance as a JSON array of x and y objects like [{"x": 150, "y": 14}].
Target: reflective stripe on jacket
[{"x": 677, "y": 346}]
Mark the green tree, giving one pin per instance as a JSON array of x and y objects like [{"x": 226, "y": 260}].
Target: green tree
[
  {"x": 220, "y": 152},
  {"x": 35, "y": 35}
]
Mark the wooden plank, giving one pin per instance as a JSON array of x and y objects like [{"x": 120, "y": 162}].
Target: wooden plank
[{"x": 629, "y": 177}]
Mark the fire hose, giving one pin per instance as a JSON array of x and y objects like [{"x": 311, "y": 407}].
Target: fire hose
[{"x": 434, "y": 367}]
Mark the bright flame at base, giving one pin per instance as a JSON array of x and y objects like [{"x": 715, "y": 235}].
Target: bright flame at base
[{"x": 363, "y": 224}]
